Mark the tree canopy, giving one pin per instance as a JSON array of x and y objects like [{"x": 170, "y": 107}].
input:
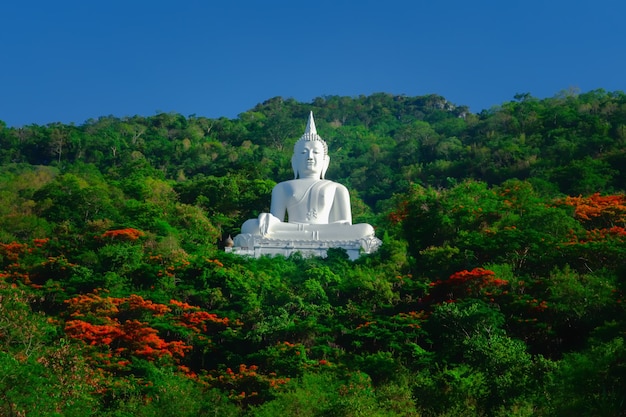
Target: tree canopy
[{"x": 499, "y": 288}]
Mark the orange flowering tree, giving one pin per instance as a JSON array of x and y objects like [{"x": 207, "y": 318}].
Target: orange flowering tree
[
  {"x": 22, "y": 262},
  {"x": 122, "y": 328},
  {"x": 128, "y": 234},
  {"x": 477, "y": 283},
  {"x": 597, "y": 210},
  {"x": 247, "y": 385},
  {"x": 602, "y": 241}
]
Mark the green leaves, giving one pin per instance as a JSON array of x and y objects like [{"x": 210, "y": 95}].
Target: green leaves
[
  {"x": 591, "y": 382},
  {"x": 492, "y": 294}
]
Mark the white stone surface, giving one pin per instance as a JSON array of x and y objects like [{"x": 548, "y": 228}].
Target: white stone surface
[{"x": 257, "y": 246}]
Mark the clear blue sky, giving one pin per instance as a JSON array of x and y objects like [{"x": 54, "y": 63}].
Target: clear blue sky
[{"x": 69, "y": 61}]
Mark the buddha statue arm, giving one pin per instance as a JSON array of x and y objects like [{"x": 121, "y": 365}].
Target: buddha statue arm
[
  {"x": 266, "y": 221},
  {"x": 278, "y": 205},
  {"x": 341, "y": 211}
]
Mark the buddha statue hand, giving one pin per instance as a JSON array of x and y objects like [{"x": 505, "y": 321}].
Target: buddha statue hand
[{"x": 266, "y": 221}]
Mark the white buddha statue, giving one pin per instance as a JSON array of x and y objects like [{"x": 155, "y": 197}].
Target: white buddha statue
[{"x": 309, "y": 209}]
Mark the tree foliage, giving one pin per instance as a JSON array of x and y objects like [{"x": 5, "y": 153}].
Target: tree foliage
[{"x": 499, "y": 288}]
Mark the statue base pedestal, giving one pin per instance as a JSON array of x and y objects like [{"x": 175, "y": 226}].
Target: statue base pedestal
[{"x": 257, "y": 246}]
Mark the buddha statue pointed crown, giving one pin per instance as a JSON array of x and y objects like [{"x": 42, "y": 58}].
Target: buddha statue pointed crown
[{"x": 310, "y": 133}]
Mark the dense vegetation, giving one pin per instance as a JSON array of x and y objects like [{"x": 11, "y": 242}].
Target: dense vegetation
[{"x": 499, "y": 289}]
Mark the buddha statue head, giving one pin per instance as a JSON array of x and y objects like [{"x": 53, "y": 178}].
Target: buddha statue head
[{"x": 310, "y": 153}]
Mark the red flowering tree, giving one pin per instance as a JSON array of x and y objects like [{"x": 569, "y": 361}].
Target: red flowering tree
[
  {"x": 599, "y": 211},
  {"x": 602, "y": 243},
  {"x": 479, "y": 283},
  {"x": 247, "y": 385},
  {"x": 120, "y": 328},
  {"x": 128, "y": 234}
]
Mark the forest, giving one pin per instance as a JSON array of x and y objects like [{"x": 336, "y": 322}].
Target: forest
[{"x": 499, "y": 289}]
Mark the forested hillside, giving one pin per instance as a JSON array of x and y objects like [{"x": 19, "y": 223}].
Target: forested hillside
[{"x": 498, "y": 291}]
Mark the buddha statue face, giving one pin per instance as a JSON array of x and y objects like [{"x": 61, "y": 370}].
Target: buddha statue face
[{"x": 309, "y": 159}]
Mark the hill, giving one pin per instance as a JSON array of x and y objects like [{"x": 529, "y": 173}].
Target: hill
[{"x": 498, "y": 290}]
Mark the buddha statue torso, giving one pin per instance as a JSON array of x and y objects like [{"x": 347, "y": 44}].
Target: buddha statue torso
[{"x": 309, "y": 201}]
